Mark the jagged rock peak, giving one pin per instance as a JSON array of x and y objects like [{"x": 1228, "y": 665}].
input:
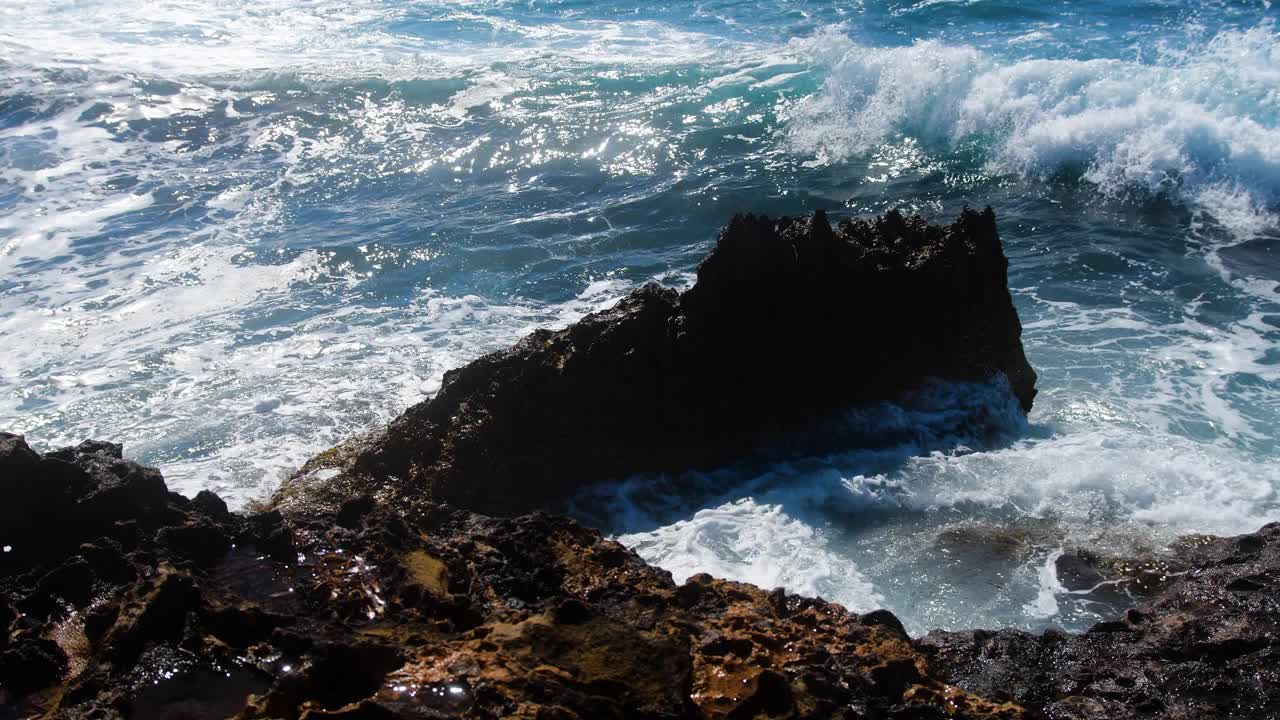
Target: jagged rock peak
[{"x": 790, "y": 320}]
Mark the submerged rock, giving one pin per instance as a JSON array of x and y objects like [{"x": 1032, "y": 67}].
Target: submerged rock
[
  {"x": 789, "y": 321},
  {"x": 1136, "y": 574},
  {"x": 985, "y": 542}
]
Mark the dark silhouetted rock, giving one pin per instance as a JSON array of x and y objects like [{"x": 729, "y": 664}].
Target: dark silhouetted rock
[
  {"x": 210, "y": 504},
  {"x": 72, "y": 581},
  {"x": 352, "y": 511},
  {"x": 31, "y": 664},
  {"x": 789, "y": 322},
  {"x": 202, "y": 541},
  {"x": 269, "y": 532}
]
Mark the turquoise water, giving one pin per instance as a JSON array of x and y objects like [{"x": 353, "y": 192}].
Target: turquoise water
[{"x": 233, "y": 233}]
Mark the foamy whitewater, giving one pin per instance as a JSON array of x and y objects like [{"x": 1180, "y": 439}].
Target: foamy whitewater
[{"x": 232, "y": 234}]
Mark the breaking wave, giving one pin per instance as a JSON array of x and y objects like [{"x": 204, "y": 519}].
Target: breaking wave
[{"x": 1199, "y": 126}]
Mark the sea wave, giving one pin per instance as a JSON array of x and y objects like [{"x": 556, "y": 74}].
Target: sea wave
[
  {"x": 1199, "y": 126},
  {"x": 941, "y": 522},
  {"x": 232, "y": 234}
]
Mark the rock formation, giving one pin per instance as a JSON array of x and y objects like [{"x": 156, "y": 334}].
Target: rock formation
[
  {"x": 152, "y": 606},
  {"x": 119, "y": 599},
  {"x": 1207, "y": 645},
  {"x": 371, "y": 590},
  {"x": 788, "y": 322}
]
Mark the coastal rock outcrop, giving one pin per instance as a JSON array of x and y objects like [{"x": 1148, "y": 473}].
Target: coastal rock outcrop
[
  {"x": 371, "y": 589},
  {"x": 160, "y": 607},
  {"x": 789, "y": 321}
]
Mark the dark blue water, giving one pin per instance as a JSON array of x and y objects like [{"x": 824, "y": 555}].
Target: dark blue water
[{"x": 231, "y": 235}]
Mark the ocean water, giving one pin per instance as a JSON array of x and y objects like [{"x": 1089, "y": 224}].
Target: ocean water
[{"x": 234, "y": 233}]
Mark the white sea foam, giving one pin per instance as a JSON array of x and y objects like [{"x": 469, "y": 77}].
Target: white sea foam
[
  {"x": 1089, "y": 481},
  {"x": 1085, "y": 476},
  {"x": 184, "y": 38},
  {"x": 1199, "y": 126},
  {"x": 137, "y": 265},
  {"x": 1046, "y": 603},
  {"x": 189, "y": 334},
  {"x": 758, "y": 543},
  {"x": 243, "y": 408},
  {"x": 1191, "y": 374},
  {"x": 185, "y": 35}
]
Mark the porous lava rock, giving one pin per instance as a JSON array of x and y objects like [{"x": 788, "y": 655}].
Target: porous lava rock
[
  {"x": 379, "y": 612},
  {"x": 402, "y": 613},
  {"x": 789, "y": 321}
]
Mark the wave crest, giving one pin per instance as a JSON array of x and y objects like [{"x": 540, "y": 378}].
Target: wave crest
[{"x": 1199, "y": 127}]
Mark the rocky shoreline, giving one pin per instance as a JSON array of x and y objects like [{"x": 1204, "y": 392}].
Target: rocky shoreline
[
  {"x": 123, "y": 600},
  {"x": 402, "y": 574}
]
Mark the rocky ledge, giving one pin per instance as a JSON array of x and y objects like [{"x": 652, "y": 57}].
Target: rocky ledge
[
  {"x": 120, "y": 599},
  {"x": 789, "y": 322},
  {"x": 124, "y": 600}
]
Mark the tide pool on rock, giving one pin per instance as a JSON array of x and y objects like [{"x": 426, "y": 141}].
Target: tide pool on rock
[{"x": 233, "y": 236}]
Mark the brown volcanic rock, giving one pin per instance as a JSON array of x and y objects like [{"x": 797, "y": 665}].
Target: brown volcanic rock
[
  {"x": 789, "y": 321},
  {"x": 438, "y": 613},
  {"x": 433, "y": 612}
]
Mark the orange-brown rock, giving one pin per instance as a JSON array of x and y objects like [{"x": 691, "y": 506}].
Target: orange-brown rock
[
  {"x": 441, "y": 613},
  {"x": 431, "y": 614}
]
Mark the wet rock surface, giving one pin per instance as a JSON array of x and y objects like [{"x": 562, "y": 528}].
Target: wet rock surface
[
  {"x": 1206, "y": 644},
  {"x": 1136, "y": 574},
  {"x": 434, "y": 612},
  {"x": 790, "y": 320},
  {"x": 380, "y": 613}
]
